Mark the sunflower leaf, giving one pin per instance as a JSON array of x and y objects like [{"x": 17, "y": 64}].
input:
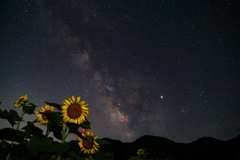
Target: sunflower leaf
[
  {"x": 15, "y": 115},
  {"x": 13, "y": 135},
  {"x": 74, "y": 153},
  {"x": 11, "y": 116},
  {"x": 56, "y": 129},
  {"x": 36, "y": 120},
  {"x": 58, "y": 106},
  {"x": 29, "y": 109},
  {"x": 46, "y": 144},
  {"x": 73, "y": 128},
  {"x": 85, "y": 124},
  {"x": 32, "y": 104},
  {"x": 54, "y": 117},
  {"x": 33, "y": 129}
]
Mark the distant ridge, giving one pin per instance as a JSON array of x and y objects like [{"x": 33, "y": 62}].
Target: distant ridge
[
  {"x": 153, "y": 138},
  {"x": 207, "y": 140},
  {"x": 112, "y": 140},
  {"x": 162, "y": 148}
]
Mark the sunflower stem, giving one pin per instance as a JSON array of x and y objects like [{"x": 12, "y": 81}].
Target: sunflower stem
[
  {"x": 12, "y": 143},
  {"x": 20, "y": 121},
  {"x": 47, "y": 131},
  {"x": 65, "y": 134},
  {"x": 8, "y": 156}
]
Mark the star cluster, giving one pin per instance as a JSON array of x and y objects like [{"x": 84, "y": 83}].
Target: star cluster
[{"x": 162, "y": 68}]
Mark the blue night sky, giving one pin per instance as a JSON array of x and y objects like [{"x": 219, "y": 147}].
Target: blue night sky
[{"x": 166, "y": 68}]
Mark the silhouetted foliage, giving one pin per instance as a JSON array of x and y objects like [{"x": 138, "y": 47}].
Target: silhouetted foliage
[{"x": 162, "y": 148}]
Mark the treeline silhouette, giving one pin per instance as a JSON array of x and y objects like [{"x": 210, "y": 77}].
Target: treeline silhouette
[{"x": 164, "y": 149}]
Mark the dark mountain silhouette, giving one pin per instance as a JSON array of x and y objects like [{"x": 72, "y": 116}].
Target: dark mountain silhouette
[{"x": 162, "y": 149}]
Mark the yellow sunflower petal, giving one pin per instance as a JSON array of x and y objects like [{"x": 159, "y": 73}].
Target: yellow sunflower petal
[
  {"x": 46, "y": 107},
  {"x": 96, "y": 148},
  {"x": 82, "y": 103},
  {"x": 68, "y": 103},
  {"x": 91, "y": 151},
  {"x": 78, "y": 99},
  {"x": 73, "y": 99},
  {"x": 70, "y": 100},
  {"x": 76, "y": 121},
  {"x": 78, "y": 138},
  {"x": 66, "y": 119},
  {"x": 85, "y": 108},
  {"x": 85, "y": 112},
  {"x": 82, "y": 118},
  {"x": 64, "y": 107}
]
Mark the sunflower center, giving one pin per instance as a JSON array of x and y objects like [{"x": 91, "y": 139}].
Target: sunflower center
[
  {"x": 45, "y": 117},
  {"x": 74, "y": 111},
  {"x": 20, "y": 100},
  {"x": 88, "y": 144}
]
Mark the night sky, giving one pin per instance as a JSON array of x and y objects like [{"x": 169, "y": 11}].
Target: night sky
[{"x": 168, "y": 68}]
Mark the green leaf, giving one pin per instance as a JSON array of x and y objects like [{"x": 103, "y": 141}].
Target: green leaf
[
  {"x": 13, "y": 135},
  {"x": 32, "y": 104},
  {"x": 58, "y": 106},
  {"x": 85, "y": 124},
  {"x": 29, "y": 109},
  {"x": 46, "y": 145},
  {"x": 54, "y": 117},
  {"x": 75, "y": 149},
  {"x": 101, "y": 141},
  {"x": 15, "y": 115},
  {"x": 73, "y": 154},
  {"x": 25, "y": 101},
  {"x": 36, "y": 120},
  {"x": 33, "y": 129},
  {"x": 73, "y": 128},
  {"x": 4, "y": 144},
  {"x": 11, "y": 116},
  {"x": 56, "y": 129}
]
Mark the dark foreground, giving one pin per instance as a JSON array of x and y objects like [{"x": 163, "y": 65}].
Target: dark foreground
[{"x": 165, "y": 149}]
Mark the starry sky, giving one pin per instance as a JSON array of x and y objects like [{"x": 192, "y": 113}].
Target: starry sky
[{"x": 166, "y": 68}]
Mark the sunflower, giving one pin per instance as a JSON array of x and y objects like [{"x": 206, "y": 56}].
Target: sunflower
[
  {"x": 19, "y": 102},
  {"x": 74, "y": 111},
  {"x": 141, "y": 153},
  {"x": 42, "y": 118},
  {"x": 88, "y": 146}
]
